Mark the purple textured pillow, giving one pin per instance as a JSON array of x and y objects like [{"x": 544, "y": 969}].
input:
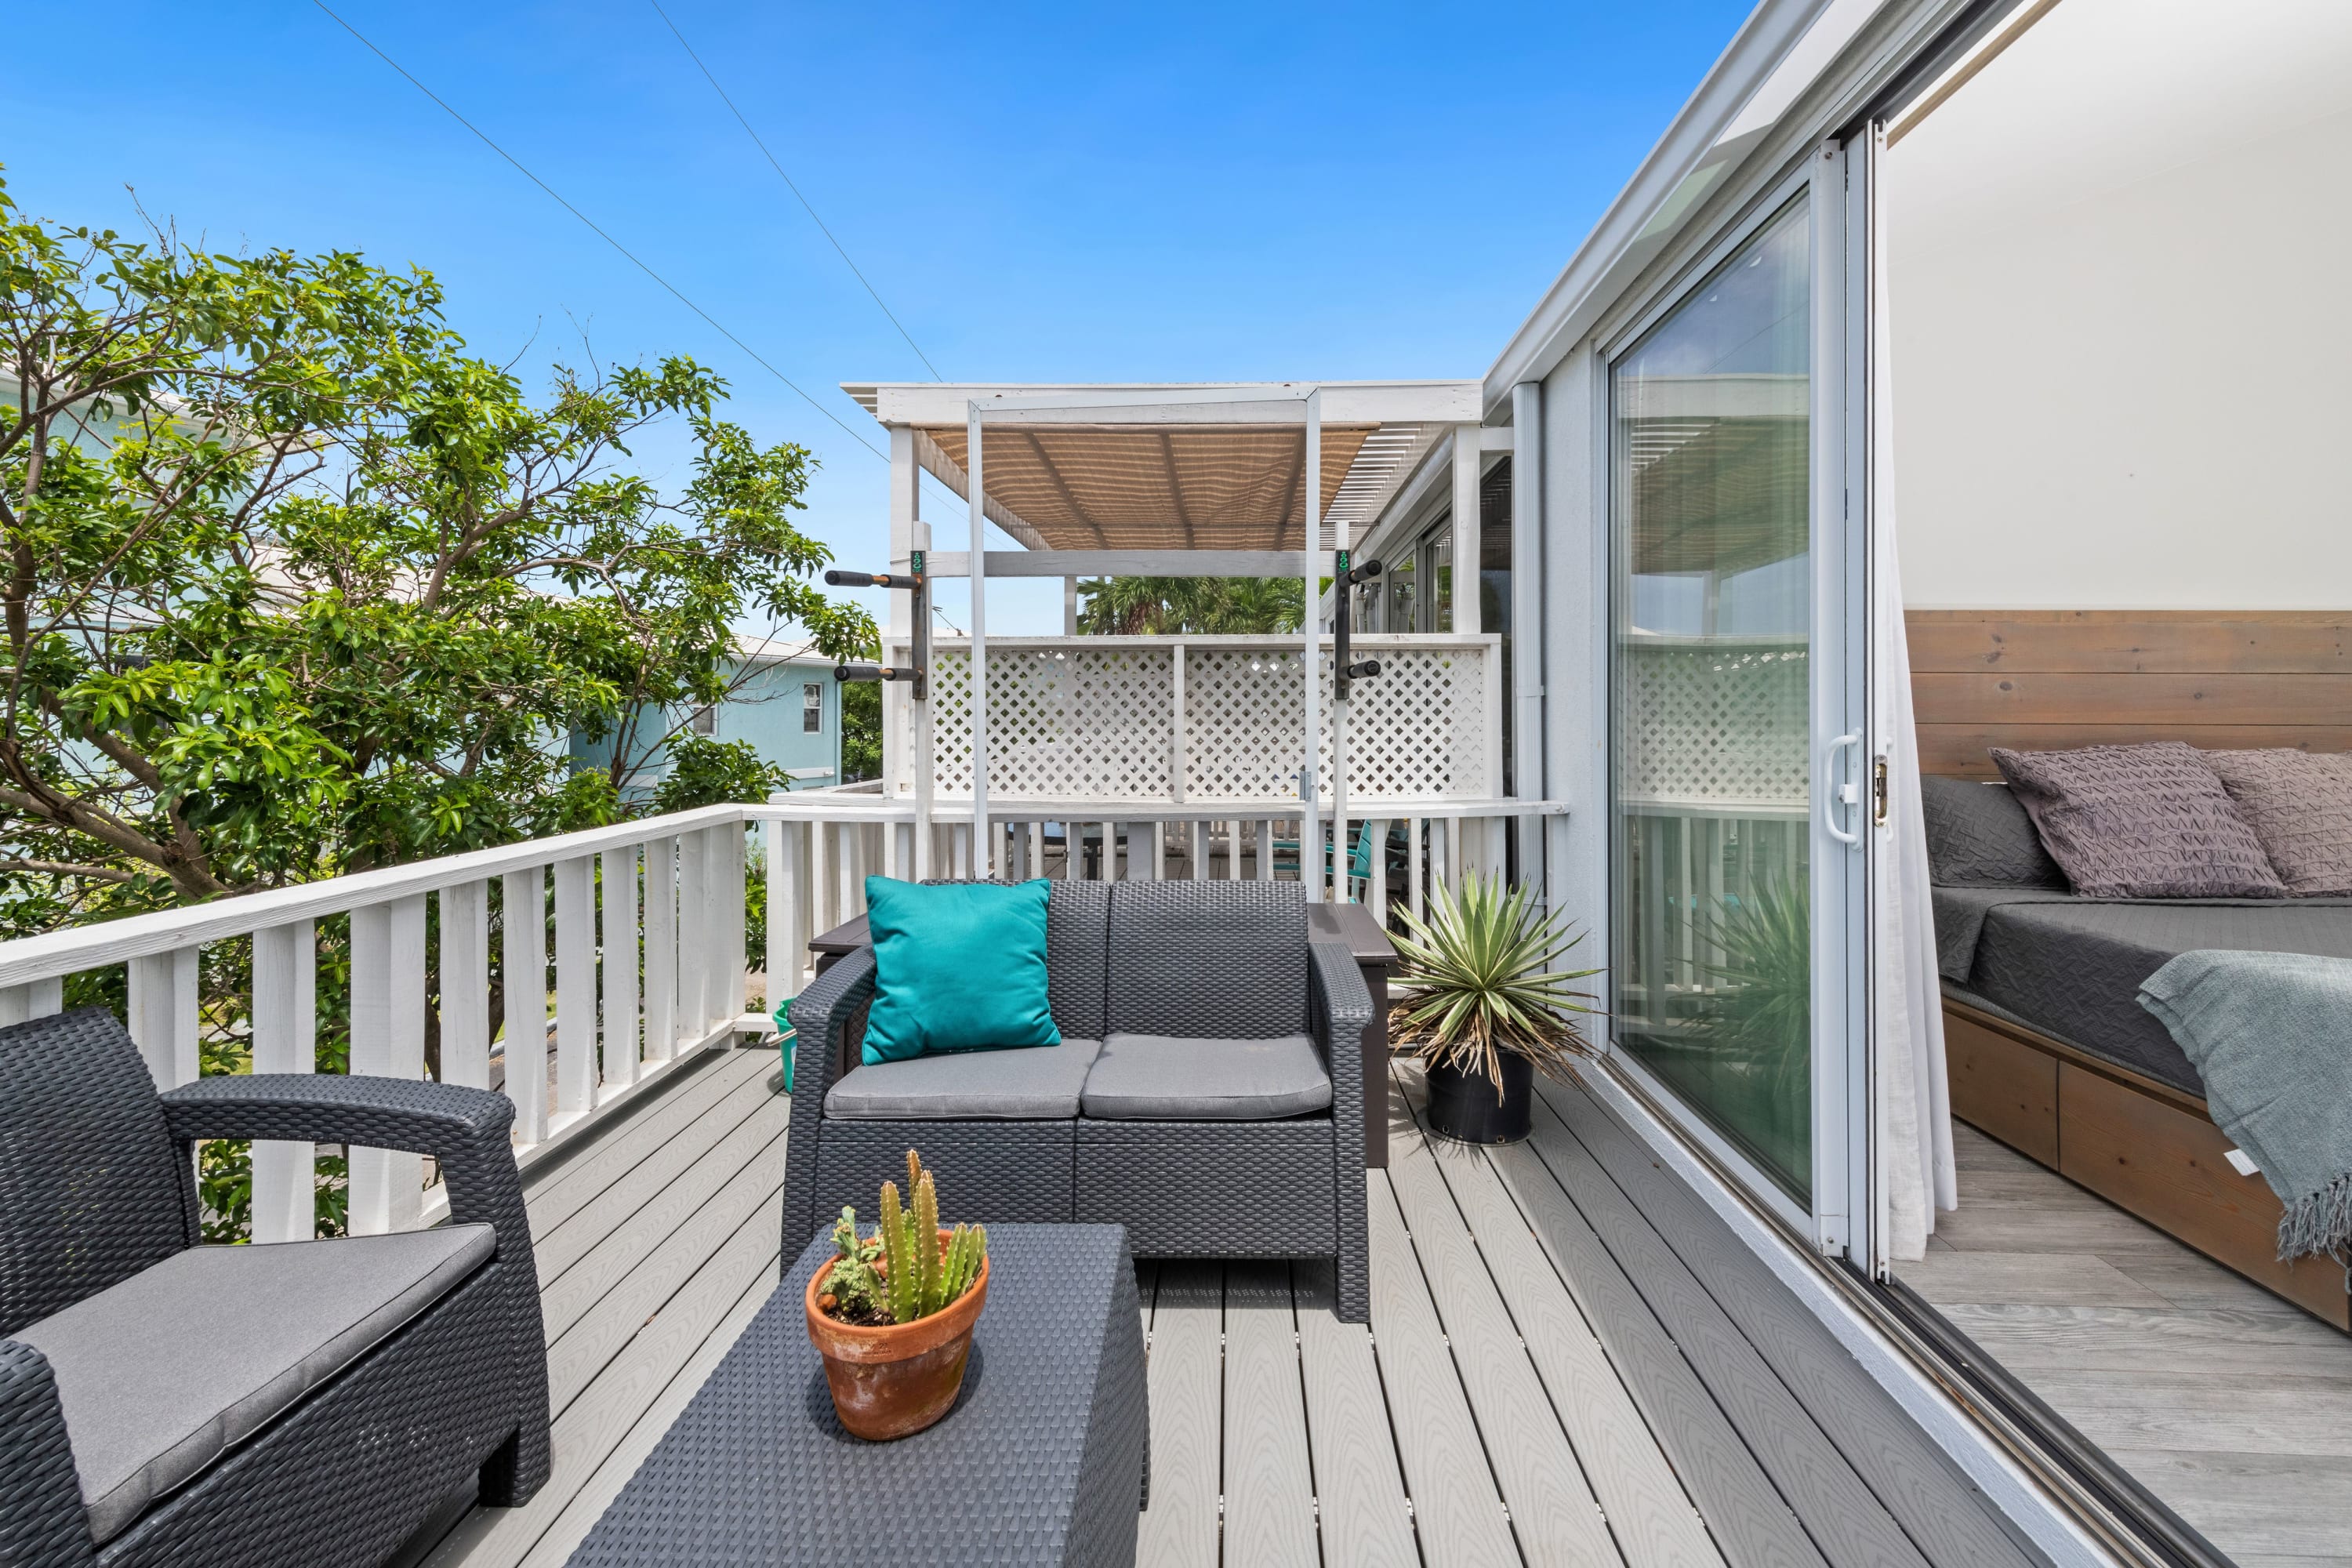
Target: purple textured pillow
[
  {"x": 2300, "y": 807},
  {"x": 2140, "y": 822}
]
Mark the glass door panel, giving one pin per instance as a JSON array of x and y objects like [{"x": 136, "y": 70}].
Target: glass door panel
[{"x": 1710, "y": 510}]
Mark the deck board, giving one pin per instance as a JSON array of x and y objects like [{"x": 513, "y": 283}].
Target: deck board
[{"x": 1517, "y": 1398}]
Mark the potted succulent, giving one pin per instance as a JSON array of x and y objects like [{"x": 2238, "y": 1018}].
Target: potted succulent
[
  {"x": 1485, "y": 1009},
  {"x": 892, "y": 1313}
]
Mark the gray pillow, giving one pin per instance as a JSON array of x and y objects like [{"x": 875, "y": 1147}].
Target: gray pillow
[
  {"x": 2300, "y": 807},
  {"x": 2140, "y": 822},
  {"x": 1979, "y": 836}
]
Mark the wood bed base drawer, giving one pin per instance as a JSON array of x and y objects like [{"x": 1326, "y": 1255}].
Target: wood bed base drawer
[
  {"x": 2168, "y": 1166},
  {"x": 2004, "y": 1087}
]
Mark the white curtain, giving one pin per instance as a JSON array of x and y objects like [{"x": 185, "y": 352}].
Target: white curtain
[{"x": 1914, "y": 1109}]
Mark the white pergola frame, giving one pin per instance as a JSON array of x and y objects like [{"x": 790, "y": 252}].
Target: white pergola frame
[
  {"x": 1169, "y": 407},
  {"x": 1447, "y": 410}
]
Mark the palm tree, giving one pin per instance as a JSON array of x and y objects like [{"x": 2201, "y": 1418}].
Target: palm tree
[{"x": 1199, "y": 607}]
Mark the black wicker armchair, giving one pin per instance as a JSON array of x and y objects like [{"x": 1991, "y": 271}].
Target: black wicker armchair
[
  {"x": 311, "y": 1403},
  {"x": 1197, "y": 1097}
]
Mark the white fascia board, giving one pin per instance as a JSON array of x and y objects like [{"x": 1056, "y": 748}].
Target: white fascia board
[
  {"x": 1711, "y": 142},
  {"x": 1344, "y": 402}
]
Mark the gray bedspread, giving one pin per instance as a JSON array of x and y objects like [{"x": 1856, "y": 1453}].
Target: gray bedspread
[
  {"x": 2073, "y": 967},
  {"x": 2271, "y": 1034}
]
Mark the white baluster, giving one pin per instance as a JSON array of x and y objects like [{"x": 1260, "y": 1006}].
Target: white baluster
[
  {"x": 694, "y": 927},
  {"x": 1376, "y": 883},
  {"x": 1265, "y": 851},
  {"x": 1415, "y": 852},
  {"x": 1037, "y": 851},
  {"x": 285, "y": 1039},
  {"x": 163, "y": 1015},
  {"x": 821, "y": 914},
  {"x": 727, "y": 842},
  {"x": 465, "y": 985},
  {"x": 33, "y": 999},
  {"x": 619, "y": 930},
  {"x": 525, "y": 916},
  {"x": 575, "y": 986},
  {"x": 783, "y": 865},
  {"x": 387, "y": 1191},
  {"x": 661, "y": 950},
  {"x": 1196, "y": 851}
]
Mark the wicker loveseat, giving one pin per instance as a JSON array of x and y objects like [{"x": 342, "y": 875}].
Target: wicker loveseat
[
  {"x": 1196, "y": 1098},
  {"x": 313, "y": 1402}
]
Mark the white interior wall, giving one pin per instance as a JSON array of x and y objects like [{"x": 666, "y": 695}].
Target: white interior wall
[{"x": 2122, "y": 339}]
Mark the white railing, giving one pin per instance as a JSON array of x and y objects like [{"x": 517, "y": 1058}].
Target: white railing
[
  {"x": 819, "y": 849},
  {"x": 647, "y": 921},
  {"x": 661, "y": 899}
]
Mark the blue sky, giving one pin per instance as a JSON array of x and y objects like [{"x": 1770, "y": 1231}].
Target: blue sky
[{"x": 1040, "y": 193}]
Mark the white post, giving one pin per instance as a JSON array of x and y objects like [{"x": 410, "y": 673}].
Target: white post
[
  {"x": 285, "y": 1039},
  {"x": 387, "y": 1190},
  {"x": 1526, "y": 623},
  {"x": 1069, "y": 607},
  {"x": 163, "y": 1015},
  {"x": 1310, "y": 826},
  {"x": 1415, "y": 876},
  {"x": 526, "y": 994},
  {"x": 727, "y": 840},
  {"x": 661, "y": 949},
  {"x": 620, "y": 953},
  {"x": 900, "y": 755},
  {"x": 979, "y": 629},
  {"x": 1466, "y": 530}
]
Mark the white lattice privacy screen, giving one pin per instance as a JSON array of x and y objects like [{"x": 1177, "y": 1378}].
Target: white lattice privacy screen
[
  {"x": 1199, "y": 718},
  {"x": 1718, "y": 724}
]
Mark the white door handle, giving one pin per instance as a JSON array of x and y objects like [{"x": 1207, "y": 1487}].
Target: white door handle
[{"x": 1847, "y": 795}]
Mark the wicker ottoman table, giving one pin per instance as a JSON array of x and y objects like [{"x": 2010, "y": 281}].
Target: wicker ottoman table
[{"x": 1042, "y": 1461}]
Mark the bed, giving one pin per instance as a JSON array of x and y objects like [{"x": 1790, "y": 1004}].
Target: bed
[{"x": 2049, "y": 1049}]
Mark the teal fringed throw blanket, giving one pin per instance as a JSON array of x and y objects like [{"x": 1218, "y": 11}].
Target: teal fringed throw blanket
[{"x": 2271, "y": 1033}]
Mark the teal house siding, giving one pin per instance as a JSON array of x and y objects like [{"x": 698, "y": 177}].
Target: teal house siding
[{"x": 772, "y": 708}]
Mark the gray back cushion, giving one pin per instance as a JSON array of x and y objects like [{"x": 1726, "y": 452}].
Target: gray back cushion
[
  {"x": 2300, "y": 807},
  {"x": 2140, "y": 822},
  {"x": 1979, "y": 836},
  {"x": 1208, "y": 959},
  {"x": 1077, "y": 945}
]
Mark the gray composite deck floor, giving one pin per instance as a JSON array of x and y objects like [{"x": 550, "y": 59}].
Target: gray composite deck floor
[
  {"x": 2226, "y": 1402},
  {"x": 1570, "y": 1360}
]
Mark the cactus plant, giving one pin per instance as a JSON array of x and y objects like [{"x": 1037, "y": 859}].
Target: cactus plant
[{"x": 905, "y": 1270}]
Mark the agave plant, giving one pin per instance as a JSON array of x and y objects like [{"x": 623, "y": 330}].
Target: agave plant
[{"x": 1480, "y": 964}]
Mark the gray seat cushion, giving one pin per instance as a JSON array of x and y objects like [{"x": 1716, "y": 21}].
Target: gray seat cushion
[
  {"x": 1036, "y": 1083},
  {"x": 1170, "y": 1078},
  {"x": 161, "y": 1373}
]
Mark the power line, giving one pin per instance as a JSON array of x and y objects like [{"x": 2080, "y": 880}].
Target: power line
[
  {"x": 600, "y": 233},
  {"x": 787, "y": 179}
]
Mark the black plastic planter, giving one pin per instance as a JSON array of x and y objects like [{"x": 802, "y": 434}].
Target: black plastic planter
[{"x": 1463, "y": 1105}]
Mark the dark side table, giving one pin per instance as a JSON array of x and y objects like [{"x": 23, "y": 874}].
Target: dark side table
[{"x": 1041, "y": 1461}]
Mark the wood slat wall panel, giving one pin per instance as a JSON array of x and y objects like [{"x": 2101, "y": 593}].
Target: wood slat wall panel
[
  {"x": 1963, "y": 751},
  {"x": 2056, "y": 680},
  {"x": 2028, "y": 697},
  {"x": 1961, "y": 642}
]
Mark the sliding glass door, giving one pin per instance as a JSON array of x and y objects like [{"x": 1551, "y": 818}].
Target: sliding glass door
[{"x": 1728, "y": 615}]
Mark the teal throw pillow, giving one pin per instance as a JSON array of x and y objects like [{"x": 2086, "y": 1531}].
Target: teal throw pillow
[{"x": 959, "y": 967}]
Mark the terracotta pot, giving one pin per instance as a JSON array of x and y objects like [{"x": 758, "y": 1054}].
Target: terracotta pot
[{"x": 893, "y": 1381}]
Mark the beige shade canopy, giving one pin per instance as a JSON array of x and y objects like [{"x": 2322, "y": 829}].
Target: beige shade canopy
[{"x": 1145, "y": 487}]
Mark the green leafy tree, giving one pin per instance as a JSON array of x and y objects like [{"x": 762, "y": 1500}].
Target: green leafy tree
[
  {"x": 292, "y": 584},
  {"x": 861, "y": 731},
  {"x": 1200, "y": 607}
]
